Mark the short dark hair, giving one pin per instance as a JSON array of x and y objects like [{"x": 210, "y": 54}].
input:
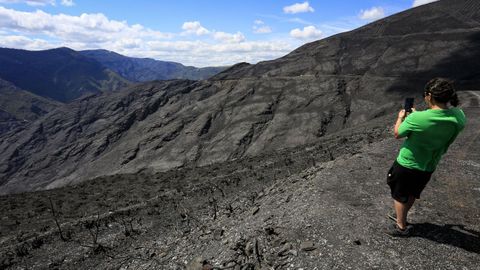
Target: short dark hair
[{"x": 443, "y": 91}]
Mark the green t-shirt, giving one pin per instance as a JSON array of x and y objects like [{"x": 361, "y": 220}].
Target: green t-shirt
[{"x": 429, "y": 133}]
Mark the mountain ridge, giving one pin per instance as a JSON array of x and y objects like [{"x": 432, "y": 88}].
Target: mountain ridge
[
  {"x": 147, "y": 69},
  {"x": 61, "y": 74}
]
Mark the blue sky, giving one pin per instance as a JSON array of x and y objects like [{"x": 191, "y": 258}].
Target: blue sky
[{"x": 199, "y": 33}]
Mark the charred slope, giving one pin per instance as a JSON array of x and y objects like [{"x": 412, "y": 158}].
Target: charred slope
[
  {"x": 322, "y": 206},
  {"x": 169, "y": 124},
  {"x": 318, "y": 89},
  {"x": 19, "y": 107},
  {"x": 8, "y": 122},
  {"x": 146, "y": 69},
  {"x": 401, "y": 51},
  {"x": 60, "y": 74}
]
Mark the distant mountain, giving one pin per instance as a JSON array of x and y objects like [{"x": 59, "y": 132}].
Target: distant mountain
[
  {"x": 60, "y": 74},
  {"x": 146, "y": 69}
]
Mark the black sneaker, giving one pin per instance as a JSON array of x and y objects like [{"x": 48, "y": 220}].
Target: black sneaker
[{"x": 394, "y": 231}]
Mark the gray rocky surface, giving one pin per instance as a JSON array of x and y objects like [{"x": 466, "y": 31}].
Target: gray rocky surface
[
  {"x": 300, "y": 208},
  {"x": 320, "y": 88}
]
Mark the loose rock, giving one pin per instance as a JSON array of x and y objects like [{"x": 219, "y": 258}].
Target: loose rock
[{"x": 307, "y": 246}]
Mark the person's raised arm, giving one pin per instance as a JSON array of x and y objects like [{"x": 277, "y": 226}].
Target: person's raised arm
[{"x": 401, "y": 116}]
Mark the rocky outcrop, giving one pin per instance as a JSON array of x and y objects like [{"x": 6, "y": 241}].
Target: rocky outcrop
[{"x": 318, "y": 89}]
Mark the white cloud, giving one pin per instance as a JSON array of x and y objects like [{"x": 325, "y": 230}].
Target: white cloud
[
  {"x": 417, "y": 3},
  {"x": 298, "y": 8},
  {"x": 68, "y": 3},
  {"x": 262, "y": 29},
  {"x": 308, "y": 33},
  {"x": 40, "y": 30},
  {"x": 372, "y": 14},
  {"x": 205, "y": 47},
  {"x": 328, "y": 28},
  {"x": 30, "y": 2},
  {"x": 201, "y": 53},
  {"x": 91, "y": 28},
  {"x": 128, "y": 43},
  {"x": 229, "y": 38},
  {"x": 300, "y": 21},
  {"x": 194, "y": 28},
  {"x": 14, "y": 41},
  {"x": 259, "y": 27}
]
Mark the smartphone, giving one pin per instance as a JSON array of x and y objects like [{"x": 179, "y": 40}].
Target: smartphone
[{"x": 408, "y": 105}]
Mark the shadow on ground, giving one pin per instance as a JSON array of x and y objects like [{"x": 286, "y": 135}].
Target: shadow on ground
[{"x": 450, "y": 234}]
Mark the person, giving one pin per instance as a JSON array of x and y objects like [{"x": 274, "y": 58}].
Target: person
[{"x": 429, "y": 133}]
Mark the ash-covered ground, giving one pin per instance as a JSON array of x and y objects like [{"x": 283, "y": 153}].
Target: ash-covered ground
[{"x": 321, "y": 206}]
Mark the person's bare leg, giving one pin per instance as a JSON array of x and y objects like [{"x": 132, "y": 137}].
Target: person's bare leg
[
  {"x": 401, "y": 209},
  {"x": 410, "y": 202}
]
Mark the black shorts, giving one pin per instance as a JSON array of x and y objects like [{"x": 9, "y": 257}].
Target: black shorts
[{"x": 405, "y": 182}]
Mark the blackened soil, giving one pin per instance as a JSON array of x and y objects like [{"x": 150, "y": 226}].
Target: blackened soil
[{"x": 321, "y": 206}]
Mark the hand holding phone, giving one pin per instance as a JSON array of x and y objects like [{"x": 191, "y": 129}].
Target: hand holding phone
[{"x": 408, "y": 105}]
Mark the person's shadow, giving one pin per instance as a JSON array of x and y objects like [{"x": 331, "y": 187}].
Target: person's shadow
[{"x": 450, "y": 234}]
